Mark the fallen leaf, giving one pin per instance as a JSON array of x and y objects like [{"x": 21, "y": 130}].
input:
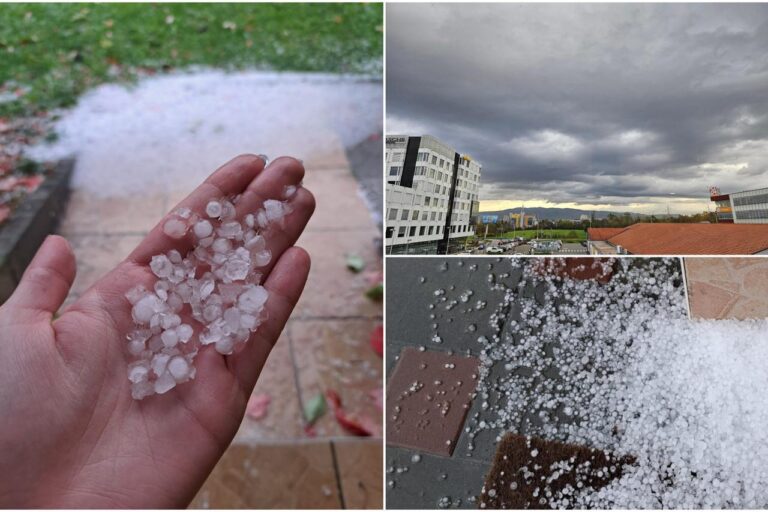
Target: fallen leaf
[
  {"x": 257, "y": 406},
  {"x": 377, "y": 340},
  {"x": 314, "y": 409},
  {"x": 348, "y": 422},
  {"x": 355, "y": 263},
  {"x": 375, "y": 292}
]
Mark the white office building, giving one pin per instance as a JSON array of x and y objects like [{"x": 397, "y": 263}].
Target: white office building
[
  {"x": 747, "y": 207},
  {"x": 431, "y": 195}
]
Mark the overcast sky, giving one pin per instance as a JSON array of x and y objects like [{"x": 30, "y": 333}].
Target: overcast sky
[{"x": 624, "y": 107}]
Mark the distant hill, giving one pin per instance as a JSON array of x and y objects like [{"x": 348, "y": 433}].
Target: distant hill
[{"x": 563, "y": 213}]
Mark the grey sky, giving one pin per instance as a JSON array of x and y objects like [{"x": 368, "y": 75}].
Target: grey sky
[{"x": 621, "y": 106}]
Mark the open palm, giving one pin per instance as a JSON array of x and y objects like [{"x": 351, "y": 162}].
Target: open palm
[{"x": 70, "y": 433}]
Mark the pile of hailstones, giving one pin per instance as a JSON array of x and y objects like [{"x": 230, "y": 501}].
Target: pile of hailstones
[{"x": 227, "y": 300}]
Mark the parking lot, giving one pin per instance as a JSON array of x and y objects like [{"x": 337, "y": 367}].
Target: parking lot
[{"x": 527, "y": 247}]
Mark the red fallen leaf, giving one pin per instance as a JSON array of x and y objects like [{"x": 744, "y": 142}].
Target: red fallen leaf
[
  {"x": 31, "y": 182},
  {"x": 377, "y": 340},
  {"x": 349, "y": 423},
  {"x": 257, "y": 406},
  {"x": 5, "y": 212},
  {"x": 310, "y": 431},
  {"x": 9, "y": 183}
]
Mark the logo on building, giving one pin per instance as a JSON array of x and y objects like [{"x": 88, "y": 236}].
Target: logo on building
[{"x": 396, "y": 140}]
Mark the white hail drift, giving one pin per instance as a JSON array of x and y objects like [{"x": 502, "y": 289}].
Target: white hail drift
[{"x": 217, "y": 284}]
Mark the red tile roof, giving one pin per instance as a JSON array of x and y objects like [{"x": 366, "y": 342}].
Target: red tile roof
[
  {"x": 683, "y": 239},
  {"x": 603, "y": 233}
]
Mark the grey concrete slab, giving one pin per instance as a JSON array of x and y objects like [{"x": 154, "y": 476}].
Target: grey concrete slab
[
  {"x": 432, "y": 482},
  {"x": 448, "y": 298}
]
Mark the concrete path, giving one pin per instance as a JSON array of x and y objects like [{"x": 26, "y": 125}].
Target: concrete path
[{"x": 143, "y": 149}]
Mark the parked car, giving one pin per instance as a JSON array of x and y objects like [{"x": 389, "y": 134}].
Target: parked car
[{"x": 494, "y": 250}]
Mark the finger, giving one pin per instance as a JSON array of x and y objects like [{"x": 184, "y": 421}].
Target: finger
[
  {"x": 271, "y": 184},
  {"x": 48, "y": 278},
  {"x": 231, "y": 178},
  {"x": 285, "y": 285}
]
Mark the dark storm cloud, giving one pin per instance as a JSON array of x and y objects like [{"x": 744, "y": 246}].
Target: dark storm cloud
[{"x": 611, "y": 104}]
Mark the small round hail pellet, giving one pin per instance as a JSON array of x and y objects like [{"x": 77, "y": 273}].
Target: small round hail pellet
[
  {"x": 213, "y": 209},
  {"x": 203, "y": 229}
]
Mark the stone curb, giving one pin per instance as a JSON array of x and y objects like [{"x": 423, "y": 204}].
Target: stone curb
[{"x": 35, "y": 218}]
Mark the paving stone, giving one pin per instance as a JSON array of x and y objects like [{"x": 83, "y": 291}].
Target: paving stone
[
  {"x": 720, "y": 288},
  {"x": 331, "y": 156},
  {"x": 459, "y": 324},
  {"x": 392, "y": 351},
  {"x": 95, "y": 256},
  {"x": 506, "y": 487},
  {"x": 336, "y": 354},
  {"x": 424, "y": 483},
  {"x": 429, "y": 395},
  {"x": 88, "y": 214},
  {"x": 360, "y": 472},
  {"x": 297, "y": 476},
  {"x": 599, "y": 269},
  {"x": 332, "y": 290},
  {"x": 284, "y": 420},
  {"x": 339, "y": 201},
  {"x": 481, "y": 445}
]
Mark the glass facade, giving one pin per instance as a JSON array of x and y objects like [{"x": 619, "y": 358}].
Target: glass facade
[{"x": 750, "y": 207}]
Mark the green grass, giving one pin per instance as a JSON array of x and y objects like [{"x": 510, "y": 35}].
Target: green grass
[
  {"x": 555, "y": 234},
  {"x": 56, "y": 51}
]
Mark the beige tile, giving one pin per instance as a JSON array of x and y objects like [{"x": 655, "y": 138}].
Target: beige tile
[
  {"x": 96, "y": 255},
  {"x": 720, "y": 288},
  {"x": 360, "y": 473},
  {"x": 336, "y": 354},
  {"x": 755, "y": 282},
  {"x": 749, "y": 308},
  {"x": 340, "y": 205},
  {"x": 332, "y": 156},
  {"x": 284, "y": 420},
  {"x": 709, "y": 301},
  {"x": 272, "y": 476},
  {"x": 332, "y": 289},
  {"x": 88, "y": 214},
  {"x": 707, "y": 269}
]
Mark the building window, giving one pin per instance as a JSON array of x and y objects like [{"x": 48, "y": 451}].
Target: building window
[
  {"x": 433, "y": 216},
  {"x": 404, "y": 215},
  {"x": 415, "y": 215},
  {"x": 412, "y": 231},
  {"x": 426, "y": 201},
  {"x": 401, "y": 232},
  {"x": 389, "y": 232},
  {"x": 437, "y": 230},
  {"x": 421, "y": 230},
  {"x": 392, "y": 214},
  {"x": 434, "y": 159},
  {"x": 424, "y": 215},
  {"x": 430, "y": 230},
  {"x": 394, "y": 170}
]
